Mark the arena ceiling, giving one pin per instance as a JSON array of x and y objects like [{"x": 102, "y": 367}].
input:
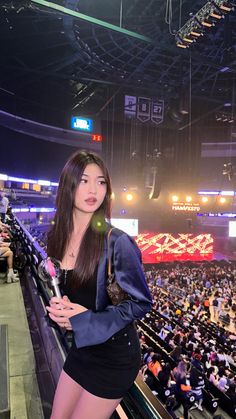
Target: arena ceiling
[{"x": 54, "y": 61}]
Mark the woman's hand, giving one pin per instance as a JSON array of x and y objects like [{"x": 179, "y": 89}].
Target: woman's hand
[{"x": 61, "y": 310}]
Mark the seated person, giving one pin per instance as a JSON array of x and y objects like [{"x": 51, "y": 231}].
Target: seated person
[
  {"x": 164, "y": 375},
  {"x": 6, "y": 252},
  {"x": 155, "y": 364},
  {"x": 222, "y": 384},
  {"x": 212, "y": 376},
  {"x": 3, "y": 205}
]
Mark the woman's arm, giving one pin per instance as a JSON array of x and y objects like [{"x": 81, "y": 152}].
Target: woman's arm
[{"x": 91, "y": 328}]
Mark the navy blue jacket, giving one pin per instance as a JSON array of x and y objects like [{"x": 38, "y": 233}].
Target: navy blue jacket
[{"x": 92, "y": 328}]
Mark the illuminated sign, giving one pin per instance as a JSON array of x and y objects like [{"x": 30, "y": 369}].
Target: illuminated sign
[
  {"x": 97, "y": 138},
  {"x": 82, "y": 124},
  {"x": 185, "y": 206}
]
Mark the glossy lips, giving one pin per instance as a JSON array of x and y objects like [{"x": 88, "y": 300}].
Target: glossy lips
[{"x": 91, "y": 201}]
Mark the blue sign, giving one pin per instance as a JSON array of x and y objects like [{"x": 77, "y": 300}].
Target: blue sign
[{"x": 82, "y": 124}]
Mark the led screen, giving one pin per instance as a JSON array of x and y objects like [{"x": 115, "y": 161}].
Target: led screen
[
  {"x": 81, "y": 124},
  {"x": 232, "y": 228},
  {"x": 130, "y": 226}
]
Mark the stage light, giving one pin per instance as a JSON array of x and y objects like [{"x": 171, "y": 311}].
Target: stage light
[
  {"x": 188, "y": 198},
  {"x": 211, "y": 13},
  {"x": 216, "y": 15},
  {"x": 194, "y": 33},
  {"x": 129, "y": 197},
  {"x": 175, "y": 198},
  {"x": 207, "y": 24},
  {"x": 112, "y": 195},
  {"x": 226, "y": 8},
  {"x": 204, "y": 199},
  {"x": 188, "y": 40},
  {"x": 225, "y": 117},
  {"x": 181, "y": 45},
  {"x": 222, "y": 200}
]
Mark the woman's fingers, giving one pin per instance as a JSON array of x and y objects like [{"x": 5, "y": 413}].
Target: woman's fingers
[
  {"x": 60, "y": 311},
  {"x": 61, "y": 321},
  {"x": 58, "y": 320},
  {"x": 67, "y": 304},
  {"x": 55, "y": 300},
  {"x": 66, "y": 309}
]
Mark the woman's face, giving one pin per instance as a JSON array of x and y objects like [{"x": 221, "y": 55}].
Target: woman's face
[{"x": 91, "y": 190}]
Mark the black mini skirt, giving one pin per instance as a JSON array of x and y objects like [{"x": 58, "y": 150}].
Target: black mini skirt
[{"x": 109, "y": 369}]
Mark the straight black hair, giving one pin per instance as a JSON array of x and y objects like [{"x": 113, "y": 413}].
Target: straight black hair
[{"x": 92, "y": 243}]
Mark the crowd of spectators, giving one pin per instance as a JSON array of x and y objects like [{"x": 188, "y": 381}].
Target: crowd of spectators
[{"x": 192, "y": 308}]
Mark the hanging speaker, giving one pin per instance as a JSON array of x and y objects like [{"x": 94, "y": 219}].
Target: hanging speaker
[{"x": 155, "y": 187}]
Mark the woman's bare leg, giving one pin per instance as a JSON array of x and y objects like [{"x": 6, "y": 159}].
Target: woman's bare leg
[
  {"x": 66, "y": 397},
  {"x": 7, "y": 253},
  {"x": 88, "y": 404}
]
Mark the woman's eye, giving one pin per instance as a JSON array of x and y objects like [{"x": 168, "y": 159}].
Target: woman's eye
[
  {"x": 83, "y": 181},
  {"x": 102, "y": 182}
]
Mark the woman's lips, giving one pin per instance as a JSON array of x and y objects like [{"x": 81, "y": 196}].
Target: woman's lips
[{"x": 91, "y": 201}]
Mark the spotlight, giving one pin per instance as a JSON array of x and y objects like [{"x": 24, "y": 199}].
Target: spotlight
[
  {"x": 179, "y": 45},
  {"x": 195, "y": 33},
  {"x": 225, "y": 7},
  {"x": 188, "y": 198},
  {"x": 189, "y": 40},
  {"x": 216, "y": 15},
  {"x": 175, "y": 198},
  {"x": 129, "y": 197},
  {"x": 204, "y": 199},
  {"x": 222, "y": 200},
  {"x": 224, "y": 117},
  {"x": 207, "y": 23},
  {"x": 112, "y": 196}
]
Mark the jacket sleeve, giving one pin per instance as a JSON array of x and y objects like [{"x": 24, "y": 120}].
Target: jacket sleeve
[{"x": 92, "y": 328}]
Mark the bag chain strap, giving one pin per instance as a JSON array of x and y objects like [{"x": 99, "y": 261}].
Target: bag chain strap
[{"x": 109, "y": 253}]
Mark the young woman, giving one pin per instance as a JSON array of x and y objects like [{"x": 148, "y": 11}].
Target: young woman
[{"x": 105, "y": 356}]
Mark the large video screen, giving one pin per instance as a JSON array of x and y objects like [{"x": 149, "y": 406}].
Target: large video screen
[
  {"x": 232, "y": 228},
  {"x": 130, "y": 226}
]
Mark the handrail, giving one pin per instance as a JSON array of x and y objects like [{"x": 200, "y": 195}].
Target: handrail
[{"x": 154, "y": 406}]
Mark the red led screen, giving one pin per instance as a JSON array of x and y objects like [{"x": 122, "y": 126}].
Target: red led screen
[{"x": 164, "y": 247}]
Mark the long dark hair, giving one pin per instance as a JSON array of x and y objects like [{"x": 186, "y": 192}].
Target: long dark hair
[{"x": 92, "y": 243}]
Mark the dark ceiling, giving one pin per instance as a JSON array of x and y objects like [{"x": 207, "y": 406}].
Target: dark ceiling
[{"x": 53, "y": 63}]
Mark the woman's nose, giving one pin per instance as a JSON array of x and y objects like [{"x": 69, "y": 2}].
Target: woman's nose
[{"x": 93, "y": 187}]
